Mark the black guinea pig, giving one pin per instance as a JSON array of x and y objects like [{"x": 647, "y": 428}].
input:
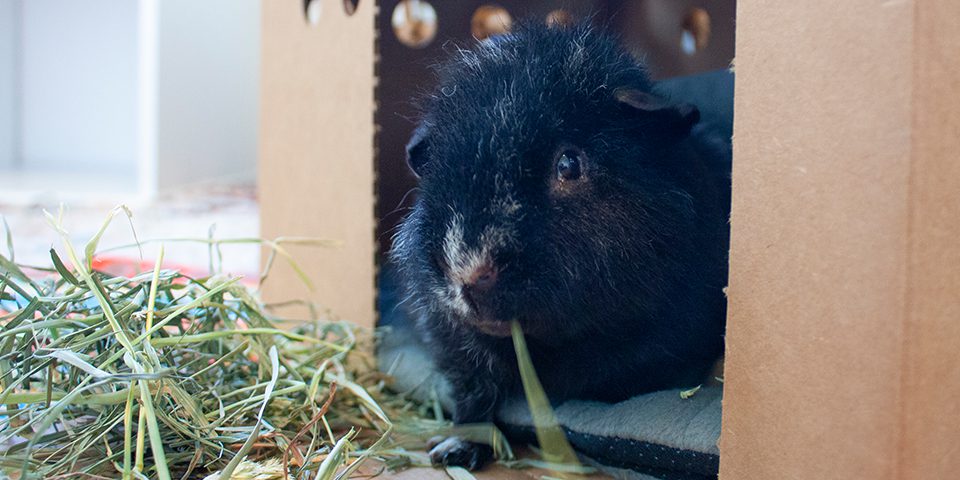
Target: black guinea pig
[{"x": 558, "y": 189}]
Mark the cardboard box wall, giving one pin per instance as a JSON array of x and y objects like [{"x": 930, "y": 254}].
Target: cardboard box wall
[
  {"x": 316, "y": 172},
  {"x": 844, "y": 324},
  {"x": 843, "y": 334}
]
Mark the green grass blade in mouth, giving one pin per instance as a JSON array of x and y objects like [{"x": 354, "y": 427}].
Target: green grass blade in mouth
[{"x": 553, "y": 443}]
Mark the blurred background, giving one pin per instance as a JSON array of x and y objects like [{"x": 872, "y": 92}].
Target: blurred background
[{"x": 154, "y": 103}]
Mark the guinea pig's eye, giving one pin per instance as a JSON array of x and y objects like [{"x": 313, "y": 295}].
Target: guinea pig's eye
[{"x": 568, "y": 165}]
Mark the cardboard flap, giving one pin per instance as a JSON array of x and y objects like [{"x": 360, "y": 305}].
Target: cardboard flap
[
  {"x": 844, "y": 313},
  {"x": 316, "y": 171}
]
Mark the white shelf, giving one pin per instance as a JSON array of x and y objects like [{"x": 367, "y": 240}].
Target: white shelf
[
  {"x": 166, "y": 92},
  {"x": 50, "y": 187}
]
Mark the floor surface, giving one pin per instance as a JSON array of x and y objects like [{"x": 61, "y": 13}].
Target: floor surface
[{"x": 199, "y": 212}]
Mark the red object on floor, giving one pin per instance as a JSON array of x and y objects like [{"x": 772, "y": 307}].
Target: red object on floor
[{"x": 129, "y": 267}]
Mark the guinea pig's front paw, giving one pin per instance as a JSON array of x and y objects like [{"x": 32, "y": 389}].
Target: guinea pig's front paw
[{"x": 457, "y": 452}]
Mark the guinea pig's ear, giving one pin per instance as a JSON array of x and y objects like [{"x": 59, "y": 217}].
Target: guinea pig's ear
[
  {"x": 417, "y": 149},
  {"x": 671, "y": 120}
]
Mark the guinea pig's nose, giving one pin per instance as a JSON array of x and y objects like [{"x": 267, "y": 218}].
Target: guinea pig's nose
[
  {"x": 478, "y": 284},
  {"x": 482, "y": 279}
]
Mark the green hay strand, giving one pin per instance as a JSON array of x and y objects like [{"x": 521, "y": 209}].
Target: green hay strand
[{"x": 553, "y": 443}]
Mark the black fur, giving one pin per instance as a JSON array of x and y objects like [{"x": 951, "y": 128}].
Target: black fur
[{"x": 616, "y": 278}]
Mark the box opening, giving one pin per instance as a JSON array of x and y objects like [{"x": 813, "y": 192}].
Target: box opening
[{"x": 687, "y": 46}]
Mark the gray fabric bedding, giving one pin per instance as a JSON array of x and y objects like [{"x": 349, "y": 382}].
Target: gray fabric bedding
[{"x": 656, "y": 435}]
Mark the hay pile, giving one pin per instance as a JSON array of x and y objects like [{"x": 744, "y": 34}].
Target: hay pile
[{"x": 165, "y": 376}]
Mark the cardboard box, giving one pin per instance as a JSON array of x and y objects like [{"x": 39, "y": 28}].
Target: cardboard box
[{"x": 844, "y": 316}]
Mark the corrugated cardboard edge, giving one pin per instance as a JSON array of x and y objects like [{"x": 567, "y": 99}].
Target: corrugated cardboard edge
[
  {"x": 930, "y": 387},
  {"x": 844, "y": 318},
  {"x": 316, "y": 173}
]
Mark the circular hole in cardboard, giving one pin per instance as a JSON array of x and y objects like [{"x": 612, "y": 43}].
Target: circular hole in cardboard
[
  {"x": 313, "y": 10},
  {"x": 350, "y": 6},
  {"x": 490, "y": 20},
  {"x": 696, "y": 31},
  {"x": 559, "y": 18},
  {"x": 414, "y": 23}
]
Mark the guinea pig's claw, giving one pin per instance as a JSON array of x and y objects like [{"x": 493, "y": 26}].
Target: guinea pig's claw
[
  {"x": 434, "y": 441},
  {"x": 456, "y": 452}
]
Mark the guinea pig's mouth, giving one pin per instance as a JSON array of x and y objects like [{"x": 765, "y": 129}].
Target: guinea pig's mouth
[
  {"x": 476, "y": 315},
  {"x": 489, "y": 326}
]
